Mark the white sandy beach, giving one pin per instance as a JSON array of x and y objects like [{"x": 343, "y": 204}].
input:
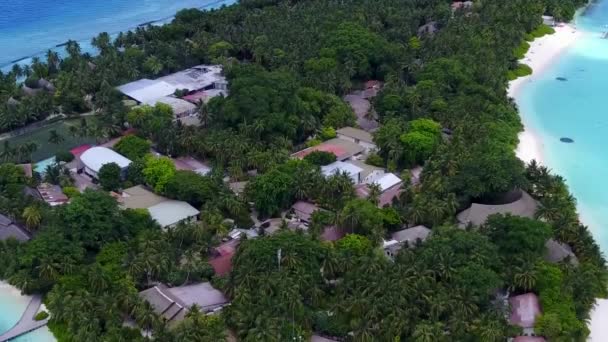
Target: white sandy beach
[{"x": 543, "y": 51}]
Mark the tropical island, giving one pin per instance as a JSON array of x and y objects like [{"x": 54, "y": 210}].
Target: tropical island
[{"x": 283, "y": 170}]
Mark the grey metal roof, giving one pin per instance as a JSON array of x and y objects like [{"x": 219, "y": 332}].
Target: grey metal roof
[
  {"x": 163, "y": 301},
  {"x": 411, "y": 235},
  {"x": 146, "y": 91},
  {"x": 356, "y": 133},
  {"x": 170, "y": 212},
  {"x": 557, "y": 251},
  {"x": 138, "y": 197},
  {"x": 204, "y": 295},
  {"x": 10, "y": 230},
  {"x": 477, "y": 214},
  {"x": 304, "y": 210}
]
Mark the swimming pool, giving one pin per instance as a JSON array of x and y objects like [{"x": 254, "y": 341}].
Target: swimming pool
[{"x": 41, "y": 165}]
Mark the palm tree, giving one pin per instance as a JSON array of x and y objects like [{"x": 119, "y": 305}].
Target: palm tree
[
  {"x": 52, "y": 59},
  {"x": 26, "y": 150},
  {"x": 17, "y": 70},
  {"x": 428, "y": 332},
  {"x": 145, "y": 316},
  {"x": 374, "y": 193},
  {"x": 73, "y": 49},
  {"x": 204, "y": 115},
  {"x": 524, "y": 278},
  {"x": 48, "y": 270},
  {"x": 32, "y": 217},
  {"x": 55, "y": 138},
  {"x": 8, "y": 152}
]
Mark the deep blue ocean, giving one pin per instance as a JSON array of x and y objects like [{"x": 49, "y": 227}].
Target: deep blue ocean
[
  {"x": 577, "y": 109},
  {"x": 31, "y": 27}
]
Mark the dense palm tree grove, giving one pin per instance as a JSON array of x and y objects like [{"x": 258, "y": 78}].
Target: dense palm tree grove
[{"x": 288, "y": 64}]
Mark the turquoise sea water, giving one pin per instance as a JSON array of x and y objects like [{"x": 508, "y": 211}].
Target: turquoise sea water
[
  {"x": 11, "y": 307},
  {"x": 578, "y": 109},
  {"x": 31, "y": 27}
]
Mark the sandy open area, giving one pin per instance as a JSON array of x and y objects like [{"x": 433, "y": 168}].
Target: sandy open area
[{"x": 543, "y": 51}]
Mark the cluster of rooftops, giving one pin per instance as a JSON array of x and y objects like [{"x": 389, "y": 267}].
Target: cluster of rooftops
[
  {"x": 182, "y": 90},
  {"x": 350, "y": 147}
]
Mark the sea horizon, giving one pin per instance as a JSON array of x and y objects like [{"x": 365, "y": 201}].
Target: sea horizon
[{"x": 29, "y": 28}]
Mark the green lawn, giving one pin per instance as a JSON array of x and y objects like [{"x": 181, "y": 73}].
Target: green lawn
[{"x": 41, "y": 136}]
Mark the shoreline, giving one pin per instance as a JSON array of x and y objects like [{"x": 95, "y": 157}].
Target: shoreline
[
  {"x": 85, "y": 43},
  {"x": 542, "y": 53}
]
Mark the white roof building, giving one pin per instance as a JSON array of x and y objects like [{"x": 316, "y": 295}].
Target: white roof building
[
  {"x": 197, "y": 78},
  {"x": 340, "y": 167},
  {"x": 95, "y": 157},
  {"x": 170, "y": 212},
  {"x": 147, "y": 91},
  {"x": 180, "y": 107},
  {"x": 386, "y": 181}
]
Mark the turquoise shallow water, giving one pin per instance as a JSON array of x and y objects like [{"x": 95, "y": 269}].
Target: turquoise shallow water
[
  {"x": 578, "y": 109},
  {"x": 10, "y": 303}
]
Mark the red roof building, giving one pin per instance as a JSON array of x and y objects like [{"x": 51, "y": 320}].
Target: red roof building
[
  {"x": 332, "y": 233},
  {"x": 222, "y": 265},
  {"x": 77, "y": 151}
]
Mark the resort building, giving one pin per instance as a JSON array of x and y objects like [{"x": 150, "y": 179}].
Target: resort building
[
  {"x": 28, "y": 170},
  {"x": 339, "y": 167},
  {"x": 332, "y": 233},
  {"x": 181, "y": 108},
  {"x": 548, "y": 20},
  {"x": 221, "y": 260},
  {"x": 525, "y": 309},
  {"x": 385, "y": 181},
  {"x": 191, "y": 164},
  {"x": 390, "y": 187},
  {"x": 167, "y": 212},
  {"x": 405, "y": 238},
  {"x": 173, "y": 303},
  {"x": 557, "y": 252},
  {"x": 95, "y": 157},
  {"x": 358, "y": 136},
  {"x": 342, "y": 149},
  {"x": 464, "y": 5},
  {"x": 303, "y": 210},
  {"x": 52, "y": 194},
  {"x": 199, "y": 83},
  {"x": 427, "y": 29},
  {"x": 11, "y": 230},
  {"x": 477, "y": 214}
]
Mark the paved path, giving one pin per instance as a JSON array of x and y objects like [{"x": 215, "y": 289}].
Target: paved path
[{"x": 27, "y": 322}]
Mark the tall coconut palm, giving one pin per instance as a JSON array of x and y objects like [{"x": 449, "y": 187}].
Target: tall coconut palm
[
  {"x": 55, "y": 137},
  {"x": 32, "y": 217},
  {"x": 374, "y": 193}
]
